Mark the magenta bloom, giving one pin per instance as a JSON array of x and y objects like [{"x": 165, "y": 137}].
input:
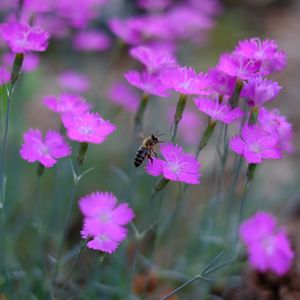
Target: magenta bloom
[
  {"x": 273, "y": 122},
  {"x": 267, "y": 244},
  {"x": 154, "y": 5},
  {"x": 87, "y": 127},
  {"x": 237, "y": 65},
  {"x": 4, "y": 76},
  {"x": 104, "y": 221},
  {"x": 222, "y": 83},
  {"x": 67, "y": 103},
  {"x": 122, "y": 94},
  {"x": 255, "y": 144},
  {"x": 23, "y": 38},
  {"x": 30, "y": 63},
  {"x": 149, "y": 83},
  {"x": 218, "y": 111},
  {"x": 153, "y": 59},
  {"x": 74, "y": 82},
  {"x": 91, "y": 40},
  {"x": 46, "y": 151},
  {"x": 258, "y": 91},
  {"x": 185, "y": 81},
  {"x": 176, "y": 165},
  {"x": 264, "y": 51}
]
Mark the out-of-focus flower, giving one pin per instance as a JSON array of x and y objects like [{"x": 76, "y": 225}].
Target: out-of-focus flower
[
  {"x": 210, "y": 7},
  {"x": 154, "y": 5},
  {"x": 237, "y": 65},
  {"x": 149, "y": 83},
  {"x": 67, "y": 103},
  {"x": 273, "y": 122},
  {"x": 74, "y": 81},
  {"x": 153, "y": 59},
  {"x": 46, "y": 151},
  {"x": 255, "y": 144},
  {"x": 23, "y": 38},
  {"x": 186, "y": 81},
  {"x": 30, "y": 63},
  {"x": 92, "y": 40},
  {"x": 122, "y": 94},
  {"x": 218, "y": 111},
  {"x": 176, "y": 165},
  {"x": 267, "y": 244},
  {"x": 221, "y": 82},
  {"x": 258, "y": 91},
  {"x": 104, "y": 221},
  {"x": 4, "y": 76},
  {"x": 87, "y": 127},
  {"x": 266, "y": 52}
]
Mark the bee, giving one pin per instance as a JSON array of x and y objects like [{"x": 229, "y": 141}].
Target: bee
[{"x": 146, "y": 149}]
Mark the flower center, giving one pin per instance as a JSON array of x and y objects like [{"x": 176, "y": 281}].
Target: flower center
[
  {"x": 104, "y": 217},
  {"x": 255, "y": 147},
  {"x": 269, "y": 245}
]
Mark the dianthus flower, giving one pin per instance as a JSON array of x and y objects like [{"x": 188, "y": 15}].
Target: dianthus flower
[
  {"x": 30, "y": 63},
  {"x": 154, "y": 5},
  {"x": 4, "y": 76},
  {"x": 153, "y": 59},
  {"x": 66, "y": 103},
  {"x": 266, "y": 52},
  {"x": 267, "y": 244},
  {"x": 218, "y": 111},
  {"x": 255, "y": 144},
  {"x": 46, "y": 151},
  {"x": 149, "y": 83},
  {"x": 87, "y": 127},
  {"x": 186, "y": 81},
  {"x": 273, "y": 122},
  {"x": 221, "y": 82},
  {"x": 122, "y": 94},
  {"x": 104, "y": 221},
  {"x": 91, "y": 40},
  {"x": 258, "y": 91},
  {"x": 237, "y": 65},
  {"x": 74, "y": 81},
  {"x": 176, "y": 165},
  {"x": 22, "y": 38}
]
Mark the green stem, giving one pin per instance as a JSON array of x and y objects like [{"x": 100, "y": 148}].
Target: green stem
[
  {"x": 159, "y": 185},
  {"x": 82, "y": 152},
  {"x": 206, "y": 135},
  {"x": 40, "y": 170},
  {"x": 234, "y": 99},
  {"x": 16, "y": 70},
  {"x": 253, "y": 115},
  {"x": 178, "y": 114},
  {"x": 138, "y": 120}
]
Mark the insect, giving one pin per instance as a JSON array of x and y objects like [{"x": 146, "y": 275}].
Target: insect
[{"x": 146, "y": 149}]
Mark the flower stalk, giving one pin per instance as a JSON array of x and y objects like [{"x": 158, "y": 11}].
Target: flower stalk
[
  {"x": 178, "y": 114},
  {"x": 138, "y": 120},
  {"x": 206, "y": 135},
  {"x": 234, "y": 99},
  {"x": 82, "y": 152}
]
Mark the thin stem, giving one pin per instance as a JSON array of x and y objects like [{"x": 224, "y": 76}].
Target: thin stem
[
  {"x": 234, "y": 99},
  {"x": 253, "y": 115},
  {"x": 206, "y": 135},
  {"x": 178, "y": 114},
  {"x": 138, "y": 119},
  {"x": 82, "y": 153}
]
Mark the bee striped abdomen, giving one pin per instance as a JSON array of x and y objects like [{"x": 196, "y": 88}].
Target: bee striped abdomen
[{"x": 140, "y": 156}]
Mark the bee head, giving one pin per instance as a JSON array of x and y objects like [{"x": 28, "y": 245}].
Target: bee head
[{"x": 155, "y": 138}]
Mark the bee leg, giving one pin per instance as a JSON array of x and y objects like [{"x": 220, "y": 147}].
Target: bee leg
[
  {"x": 149, "y": 157},
  {"x": 155, "y": 153}
]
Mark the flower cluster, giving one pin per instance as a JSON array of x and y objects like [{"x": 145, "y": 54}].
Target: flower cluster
[
  {"x": 267, "y": 244},
  {"x": 104, "y": 221}
]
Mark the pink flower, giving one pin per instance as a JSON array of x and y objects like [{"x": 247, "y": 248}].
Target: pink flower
[
  {"x": 258, "y": 91},
  {"x": 255, "y": 144},
  {"x": 30, "y": 63},
  {"x": 153, "y": 59},
  {"x": 268, "y": 246},
  {"x": 22, "y": 38},
  {"x": 104, "y": 221},
  {"x": 222, "y": 83},
  {"x": 264, "y": 51},
  {"x": 74, "y": 82},
  {"x": 273, "y": 122},
  {"x": 176, "y": 165},
  {"x": 149, "y": 83},
  {"x": 218, "y": 111},
  {"x": 91, "y": 40},
  {"x": 4, "y": 76},
  {"x": 46, "y": 151},
  {"x": 185, "y": 81},
  {"x": 66, "y": 103},
  {"x": 87, "y": 127},
  {"x": 237, "y": 65},
  {"x": 154, "y": 5},
  {"x": 122, "y": 94}
]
